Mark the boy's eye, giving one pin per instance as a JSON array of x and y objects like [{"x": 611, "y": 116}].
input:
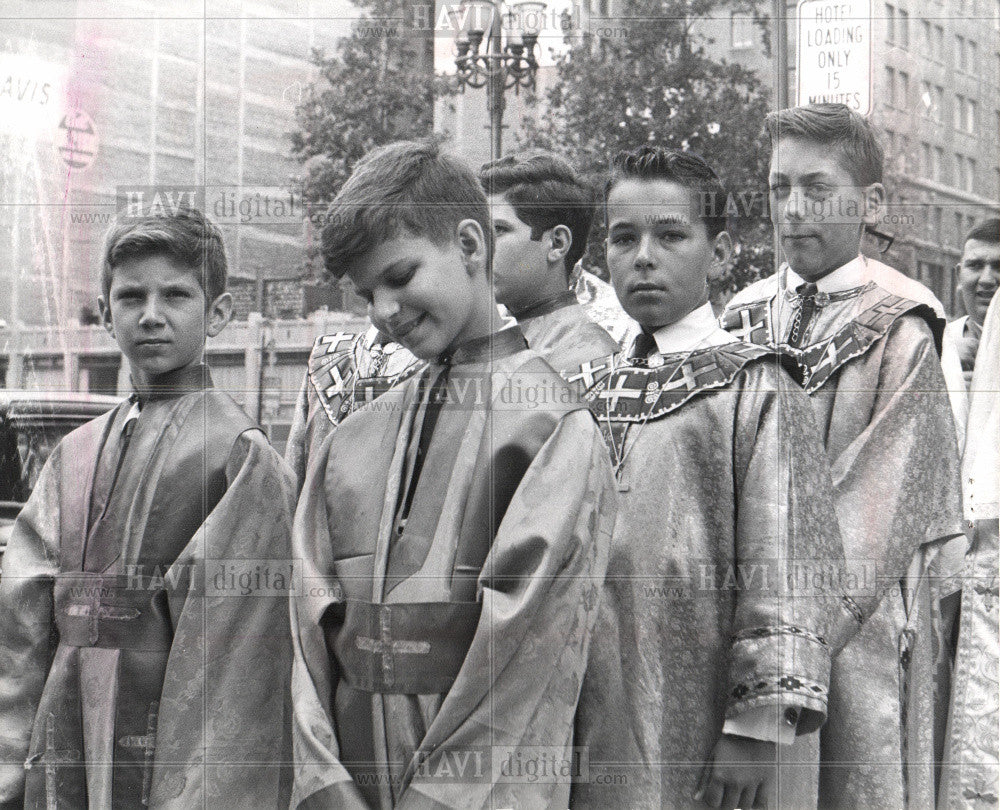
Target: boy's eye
[
  {"x": 622, "y": 239},
  {"x": 819, "y": 189},
  {"x": 780, "y": 189},
  {"x": 671, "y": 236},
  {"x": 403, "y": 278},
  {"x": 501, "y": 228}
]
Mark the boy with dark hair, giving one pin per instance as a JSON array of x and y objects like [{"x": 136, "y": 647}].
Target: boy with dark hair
[
  {"x": 864, "y": 342},
  {"x": 542, "y": 214},
  {"x": 709, "y": 654},
  {"x": 133, "y": 675},
  {"x": 978, "y": 279},
  {"x": 454, "y": 532}
]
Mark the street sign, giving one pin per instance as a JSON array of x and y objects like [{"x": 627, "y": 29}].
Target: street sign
[
  {"x": 834, "y": 53},
  {"x": 32, "y": 94},
  {"x": 77, "y": 139}
]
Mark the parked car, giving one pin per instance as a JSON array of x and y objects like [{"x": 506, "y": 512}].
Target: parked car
[{"x": 31, "y": 425}]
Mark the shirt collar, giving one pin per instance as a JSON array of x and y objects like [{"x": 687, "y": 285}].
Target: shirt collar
[
  {"x": 175, "y": 384},
  {"x": 547, "y": 306},
  {"x": 845, "y": 277},
  {"x": 499, "y": 344},
  {"x": 696, "y": 329}
]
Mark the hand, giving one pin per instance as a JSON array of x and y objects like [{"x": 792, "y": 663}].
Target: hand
[{"x": 740, "y": 773}]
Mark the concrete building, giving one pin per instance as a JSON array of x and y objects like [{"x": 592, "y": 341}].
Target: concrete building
[{"x": 180, "y": 98}]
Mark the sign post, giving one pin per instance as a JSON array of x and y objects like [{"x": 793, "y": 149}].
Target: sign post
[{"x": 834, "y": 53}]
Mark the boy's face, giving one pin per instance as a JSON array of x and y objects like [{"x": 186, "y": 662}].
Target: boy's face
[
  {"x": 978, "y": 277},
  {"x": 428, "y": 297},
  {"x": 156, "y": 311},
  {"x": 520, "y": 263},
  {"x": 659, "y": 253},
  {"x": 817, "y": 207}
]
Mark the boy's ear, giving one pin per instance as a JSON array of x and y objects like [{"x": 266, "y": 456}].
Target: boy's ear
[
  {"x": 722, "y": 254},
  {"x": 560, "y": 241},
  {"x": 105, "y": 310},
  {"x": 874, "y": 199},
  {"x": 473, "y": 245},
  {"x": 219, "y": 313}
]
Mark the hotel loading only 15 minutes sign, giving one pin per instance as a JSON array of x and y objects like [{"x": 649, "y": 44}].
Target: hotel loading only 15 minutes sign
[{"x": 834, "y": 55}]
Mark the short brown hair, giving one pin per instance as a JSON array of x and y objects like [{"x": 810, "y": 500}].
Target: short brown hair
[
  {"x": 544, "y": 191},
  {"x": 407, "y": 185},
  {"x": 187, "y": 236},
  {"x": 836, "y": 125}
]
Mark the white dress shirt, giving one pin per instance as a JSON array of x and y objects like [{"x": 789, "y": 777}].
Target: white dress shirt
[{"x": 698, "y": 329}]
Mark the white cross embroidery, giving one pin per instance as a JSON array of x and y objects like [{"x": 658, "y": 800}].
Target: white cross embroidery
[
  {"x": 333, "y": 341},
  {"x": 619, "y": 391},
  {"x": 587, "y": 371}
]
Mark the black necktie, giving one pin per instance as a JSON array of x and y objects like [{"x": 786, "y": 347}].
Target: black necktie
[
  {"x": 645, "y": 345},
  {"x": 803, "y": 315}
]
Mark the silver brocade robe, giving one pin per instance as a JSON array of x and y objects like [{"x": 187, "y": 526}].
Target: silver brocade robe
[
  {"x": 345, "y": 371},
  {"x": 190, "y": 713},
  {"x": 722, "y": 585},
  {"x": 530, "y": 486},
  {"x": 883, "y": 412}
]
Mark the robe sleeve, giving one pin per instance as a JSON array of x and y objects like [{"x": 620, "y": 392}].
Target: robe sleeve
[
  {"x": 320, "y": 778},
  {"x": 786, "y": 529},
  {"x": 27, "y": 628},
  {"x": 897, "y": 484},
  {"x": 295, "y": 447},
  {"x": 223, "y": 738},
  {"x": 516, "y": 693}
]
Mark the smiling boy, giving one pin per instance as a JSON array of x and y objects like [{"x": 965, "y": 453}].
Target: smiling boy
[
  {"x": 706, "y": 654},
  {"x": 541, "y": 214},
  {"x": 864, "y": 341},
  {"x": 126, "y": 680},
  {"x": 453, "y": 537}
]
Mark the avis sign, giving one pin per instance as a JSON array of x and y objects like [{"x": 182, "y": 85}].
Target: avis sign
[{"x": 834, "y": 54}]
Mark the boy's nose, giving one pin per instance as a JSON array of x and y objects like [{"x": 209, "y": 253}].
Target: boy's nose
[
  {"x": 794, "y": 207},
  {"x": 151, "y": 313},
  {"x": 643, "y": 253},
  {"x": 383, "y": 307}
]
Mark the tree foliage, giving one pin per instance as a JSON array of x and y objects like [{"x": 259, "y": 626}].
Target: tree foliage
[
  {"x": 651, "y": 80},
  {"x": 378, "y": 87}
]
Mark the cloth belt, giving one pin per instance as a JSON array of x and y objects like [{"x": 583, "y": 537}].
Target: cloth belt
[
  {"x": 412, "y": 648},
  {"x": 112, "y": 611}
]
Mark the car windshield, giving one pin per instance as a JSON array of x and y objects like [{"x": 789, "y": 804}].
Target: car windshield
[{"x": 24, "y": 450}]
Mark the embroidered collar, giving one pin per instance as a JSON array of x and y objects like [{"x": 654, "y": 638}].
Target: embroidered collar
[
  {"x": 174, "y": 384},
  {"x": 638, "y": 392},
  {"x": 547, "y": 306},
  {"x": 502, "y": 343}
]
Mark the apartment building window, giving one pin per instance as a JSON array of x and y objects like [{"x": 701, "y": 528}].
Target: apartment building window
[
  {"x": 937, "y": 222},
  {"x": 960, "y": 56},
  {"x": 904, "y": 88},
  {"x": 973, "y": 57},
  {"x": 970, "y": 184},
  {"x": 937, "y": 46},
  {"x": 937, "y": 164},
  {"x": 959, "y": 228},
  {"x": 925, "y": 160},
  {"x": 903, "y": 28},
  {"x": 890, "y": 85},
  {"x": 890, "y": 24},
  {"x": 958, "y": 111},
  {"x": 959, "y": 171},
  {"x": 740, "y": 30},
  {"x": 904, "y": 153},
  {"x": 971, "y": 115},
  {"x": 938, "y": 103}
]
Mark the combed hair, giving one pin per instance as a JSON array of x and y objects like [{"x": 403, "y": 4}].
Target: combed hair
[
  {"x": 407, "y": 186},
  {"x": 986, "y": 231},
  {"x": 544, "y": 191},
  {"x": 188, "y": 237},
  {"x": 836, "y": 125},
  {"x": 687, "y": 169}
]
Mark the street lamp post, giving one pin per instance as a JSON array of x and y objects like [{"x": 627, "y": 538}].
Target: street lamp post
[{"x": 495, "y": 55}]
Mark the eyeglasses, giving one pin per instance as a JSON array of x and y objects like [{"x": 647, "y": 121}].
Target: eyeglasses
[{"x": 885, "y": 240}]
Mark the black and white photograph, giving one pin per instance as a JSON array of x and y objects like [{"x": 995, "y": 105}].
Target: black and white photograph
[{"x": 581, "y": 404}]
